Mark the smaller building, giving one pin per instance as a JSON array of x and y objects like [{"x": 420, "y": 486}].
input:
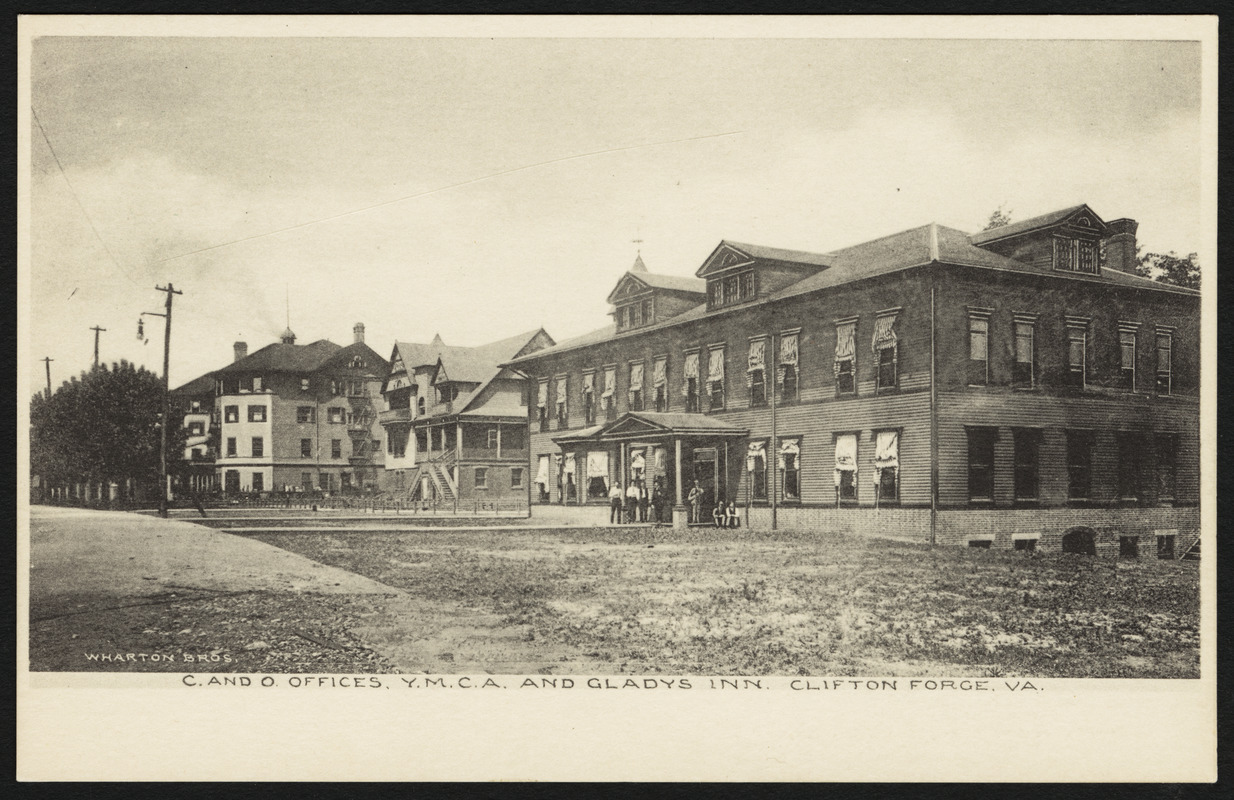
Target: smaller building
[
  {"x": 456, "y": 421},
  {"x": 194, "y": 401}
]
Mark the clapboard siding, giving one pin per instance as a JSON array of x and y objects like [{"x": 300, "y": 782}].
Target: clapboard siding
[{"x": 1054, "y": 415}]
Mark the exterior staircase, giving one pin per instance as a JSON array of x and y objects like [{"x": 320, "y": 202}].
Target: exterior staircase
[{"x": 441, "y": 472}]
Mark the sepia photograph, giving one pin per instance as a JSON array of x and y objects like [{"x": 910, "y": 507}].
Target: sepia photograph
[{"x": 629, "y": 355}]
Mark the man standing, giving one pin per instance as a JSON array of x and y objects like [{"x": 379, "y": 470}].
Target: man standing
[
  {"x": 644, "y": 501},
  {"x": 614, "y": 504},
  {"x": 632, "y": 502},
  {"x": 696, "y": 503}
]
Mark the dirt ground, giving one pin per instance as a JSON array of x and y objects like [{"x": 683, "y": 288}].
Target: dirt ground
[
  {"x": 594, "y": 601},
  {"x": 754, "y": 603}
]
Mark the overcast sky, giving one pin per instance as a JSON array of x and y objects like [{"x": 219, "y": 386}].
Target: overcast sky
[{"x": 529, "y": 166}]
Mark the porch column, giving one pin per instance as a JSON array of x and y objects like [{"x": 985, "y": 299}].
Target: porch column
[{"x": 680, "y": 519}]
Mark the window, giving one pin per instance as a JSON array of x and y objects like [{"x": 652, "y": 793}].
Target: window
[
  {"x": 846, "y": 357},
  {"x": 562, "y": 408},
  {"x": 756, "y": 372},
  {"x": 1025, "y": 542},
  {"x": 589, "y": 398},
  {"x": 196, "y": 429},
  {"x": 786, "y": 373},
  {"x": 886, "y": 348},
  {"x": 1165, "y": 546},
  {"x": 1076, "y": 255},
  {"x": 731, "y": 289},
  {"x": 516, "y": 477},
  {"x": 490, "y": 439},
  {"x": 376, "y": 447},
  {"x": 231, "y": 446},
  {"x": 231, "y": 481},
  {"x": 715, "y": 377},
  {"x": 978, "y": 347},
  {"x": 1130, "y": 447},
  {"x": 1165, "y": 374},
  {"x": 1077, "y": 352},
  {"x": 195, "y": 406},
  {"x": 689, "y": 381},
  {"x": 981, "y": 464},
  {"x": 609, "y": 396},
  {"x": 259, "y": 447},
  {"x": 756, "y": 467},
  {"x": 231, "y": 413},
  {"x": 306, "y": 481},
  {"x": 846, "y": 467},
  {"x": 887, "y": 465},
  {"x": 636, "y": 386},
  {"x": 980, "y": 544},
  {"x": 1027, "y": 443},
  {"x": 336, "y": 448},
  {"x": 305, "y": 414},
  {"x": 1126, "y": 356},
  {"x": 790, "y": 469},
  {"x": 481, "y": 477},
  {"x": 1167, "y": 466},
  {"x": 1024, "y": 367},
  {"x": 256, "y": 383},
  {"x": 542, "y": 405},
  {"x": 257, "y": 413},
  {"x": 306, "y": 448},
  {"x": 337, "y": 416},
  {"x": 421, "y": 405},
  {"x": 659, "y": 380},
  {"x": 259, "y": 482},
  {"x": 304, "y": 384},
  {"x": 636, "y": 315},
  {"x": 1079, "y": 465}
]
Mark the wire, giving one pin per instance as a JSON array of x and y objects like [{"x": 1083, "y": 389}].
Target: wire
[
  {"x": 440, "y": 189},
  {"x": 77, "y": 199}
]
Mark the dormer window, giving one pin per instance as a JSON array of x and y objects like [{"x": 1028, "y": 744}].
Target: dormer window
[
  {"x": 1076, "y": 255},
  {"x": 730, "y": 289},
  {"x": 634, "y": 315}
]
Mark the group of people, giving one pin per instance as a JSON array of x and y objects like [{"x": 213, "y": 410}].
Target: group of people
[
  {"x": 635, "y": 504},
  {"x": 723, "y": 515}
]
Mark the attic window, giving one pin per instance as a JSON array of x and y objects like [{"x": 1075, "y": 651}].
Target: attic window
[
  {"x": 634, "y": 315},
  {"x": 1076, "y": 255},
  {"x": 730, "y": 289}
]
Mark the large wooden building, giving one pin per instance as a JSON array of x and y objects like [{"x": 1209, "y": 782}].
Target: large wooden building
[
  {"x": 1016, "y": 388},
  {"x": 456, "y": 422}
]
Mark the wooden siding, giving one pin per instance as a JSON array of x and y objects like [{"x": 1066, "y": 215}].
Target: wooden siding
[{"x": 1054, "y": 416}]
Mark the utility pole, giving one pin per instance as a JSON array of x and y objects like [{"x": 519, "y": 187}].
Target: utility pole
[
  {"x": 97, "y": 330},
  {"x": 171, "y": 292},
  {"x": 47, "y": 363}
]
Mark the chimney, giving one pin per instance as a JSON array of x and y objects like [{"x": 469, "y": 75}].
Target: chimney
[
  {"x": 242, "y": 349},
  {"x": 358, "y": 330},
  {"x": 1120, "y": 245}
]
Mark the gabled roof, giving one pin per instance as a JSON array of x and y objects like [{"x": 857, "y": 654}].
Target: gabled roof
[
  {"x": 470, "y": 365},
  {"x": 1035, "y": 223},
  {"x": 651, "y": 280},
  {"x": 201, "y": 385},
  {"x": 653, "y": 423},
  {"x": 729, "y": 254},
  {"x": 280, "y": 357}
]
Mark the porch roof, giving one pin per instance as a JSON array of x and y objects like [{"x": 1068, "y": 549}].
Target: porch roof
[{"x": 642, "y": 424}]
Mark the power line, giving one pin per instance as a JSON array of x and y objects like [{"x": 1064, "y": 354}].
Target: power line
[
  {"x": 441, "y": 189},
  {"x": 77, "y": 199}
]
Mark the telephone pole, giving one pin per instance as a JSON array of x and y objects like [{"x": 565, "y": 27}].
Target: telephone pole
[
  {"x": 47, "y": 363},
  {"x": 97, "y": 330},
  {"x": 171, "y": 292}
]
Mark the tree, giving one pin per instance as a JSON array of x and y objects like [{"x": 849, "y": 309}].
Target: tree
[
  {"x": 1170, "y": 268},
  {"x": 998, "y": 219},
  {"x": 101, "y": 428}
]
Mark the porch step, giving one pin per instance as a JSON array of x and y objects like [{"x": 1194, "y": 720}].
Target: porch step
[{"x": 1193, "y": 552}]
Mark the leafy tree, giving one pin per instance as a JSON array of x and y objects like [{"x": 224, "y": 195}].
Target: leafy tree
[
  {"x": 102, "y": 427},
  {"x": 998, "y": 219},
  {"x": 1170, "y": 268}
]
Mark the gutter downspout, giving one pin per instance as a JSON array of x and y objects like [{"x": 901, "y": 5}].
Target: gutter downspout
[{"x": 933, "y": 392}]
